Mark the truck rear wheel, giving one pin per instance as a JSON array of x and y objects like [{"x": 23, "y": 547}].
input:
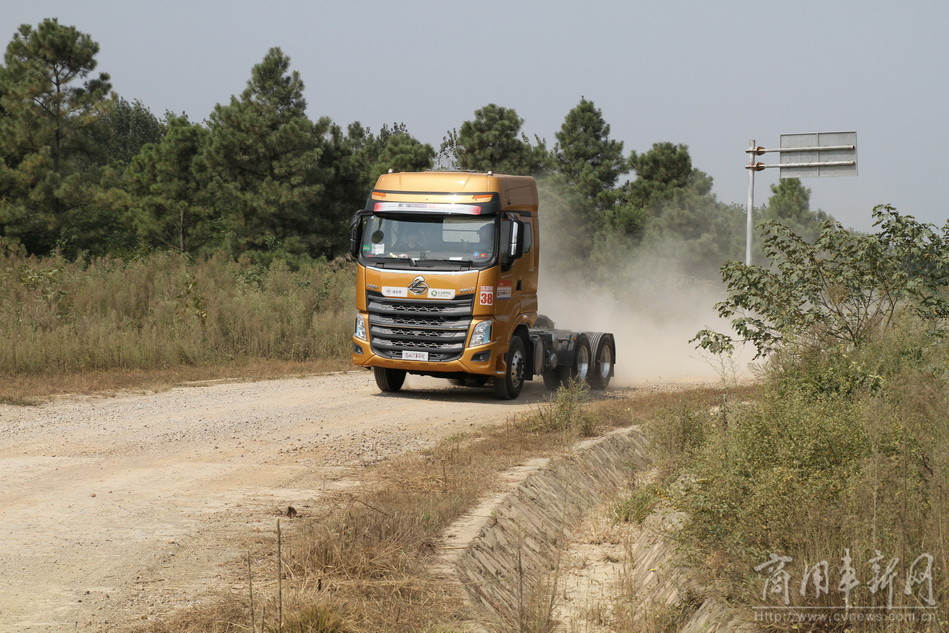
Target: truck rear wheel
[
  {"x": 552, "y": 379},
  {"x": 389, "y": 380},
  {"x": 581, "y": 361},
  {"x": 604, "y": 357},
  {"x": 579, "y": 370},
  {"x": 509, "y": 386}
]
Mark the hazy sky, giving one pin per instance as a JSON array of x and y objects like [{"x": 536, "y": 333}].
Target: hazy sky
[{"x": 711, "y": 75}]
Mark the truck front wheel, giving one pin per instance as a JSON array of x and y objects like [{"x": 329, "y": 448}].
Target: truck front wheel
[
  {"x": 509, "y": 386},
  {"x": 389, "y": 380}
]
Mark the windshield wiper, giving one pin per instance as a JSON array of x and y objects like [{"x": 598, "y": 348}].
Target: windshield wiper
[
  {"x": 428, "y": 262},
  {"x": 441, "y": 260}
]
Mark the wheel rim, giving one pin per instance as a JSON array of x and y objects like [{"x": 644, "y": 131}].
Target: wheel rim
[
  {"x": 583, "y": 362},
  {"x": 606, "y": 361},
  {"x": 517, "y": 368}
]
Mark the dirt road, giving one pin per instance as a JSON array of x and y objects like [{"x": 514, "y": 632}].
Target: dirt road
[{"x": 122, "y": 508}]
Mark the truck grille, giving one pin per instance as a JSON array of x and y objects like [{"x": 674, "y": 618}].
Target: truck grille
[{"x": 439, "y": 327}]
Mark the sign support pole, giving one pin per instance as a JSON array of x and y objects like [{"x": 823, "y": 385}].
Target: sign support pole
[{"x": 751, "y": 201}]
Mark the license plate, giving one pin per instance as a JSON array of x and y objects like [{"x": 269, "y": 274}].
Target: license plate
[{"x": 407, "y": 355}]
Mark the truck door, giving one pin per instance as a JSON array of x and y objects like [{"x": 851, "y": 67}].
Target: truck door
[{"x": 517, "y": 281}]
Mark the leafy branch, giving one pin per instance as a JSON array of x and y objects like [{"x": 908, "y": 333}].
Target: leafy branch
[{"x": 838, "y": 290}]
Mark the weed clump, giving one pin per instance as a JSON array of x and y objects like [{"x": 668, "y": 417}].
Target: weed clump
[
  {"x": 564, "y": 411},
  {"x": 635, "y": 507}
]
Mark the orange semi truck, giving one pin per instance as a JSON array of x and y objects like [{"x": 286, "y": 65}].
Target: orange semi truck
[{"x": 446, "y": 286}]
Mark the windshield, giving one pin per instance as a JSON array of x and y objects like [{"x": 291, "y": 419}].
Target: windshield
[{"x": 428, "y": 240}]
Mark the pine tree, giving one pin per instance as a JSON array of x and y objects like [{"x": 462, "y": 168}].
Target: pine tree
[
  {"x": 661, "y": 171},
  {"x": 585, "y": 155},
  {"x": 393, "y": 148},
  {"x": 166, "y": 205},
  {"x": 403, "y": 152},
  {"x": 493, "y": 141},
  {"x": 47, "y": 172},
  {"x": 272, "y": 170},
  {"x": 790, "y": 204}
]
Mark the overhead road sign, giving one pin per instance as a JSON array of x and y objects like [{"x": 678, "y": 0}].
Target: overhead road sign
[
  {"x": 818, "y": 155},
  {"x": 813, "y": 155}
]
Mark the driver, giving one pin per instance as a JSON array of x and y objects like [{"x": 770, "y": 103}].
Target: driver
[
  {"x": 485, "y": 241},
  {"x": 412, "y": 240}
]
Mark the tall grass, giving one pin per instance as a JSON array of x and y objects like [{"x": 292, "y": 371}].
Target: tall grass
[
  {"x": 845, "y": 453},
  {"x": 166, "y": 310}
]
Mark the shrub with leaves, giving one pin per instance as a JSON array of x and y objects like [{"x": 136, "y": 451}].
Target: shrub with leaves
[
  {"x": 838, "y": 290},
  {"x": 839, "y": 453}
]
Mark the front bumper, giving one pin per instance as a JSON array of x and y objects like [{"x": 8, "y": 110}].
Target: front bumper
[{"x": 474, "y": 360}]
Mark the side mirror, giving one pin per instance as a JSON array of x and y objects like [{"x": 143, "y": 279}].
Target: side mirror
[
  {"x": 515, "y": 247},
  {"x": 512, "y": 246}
]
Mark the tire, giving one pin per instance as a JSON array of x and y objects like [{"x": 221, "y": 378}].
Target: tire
[
  {"x": 552, "y": 379},
  {"x": 389, "y": 380},
  {"x": 509, "y": 386},
  {"x": 604, "y": 358},
  {"x": 581, "y": 362},
  {"x": 579, "y": 370},
  {"x": 581, "y": 359}
]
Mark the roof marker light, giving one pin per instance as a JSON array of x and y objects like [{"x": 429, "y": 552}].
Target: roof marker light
[{"x": 425, "y": 207}]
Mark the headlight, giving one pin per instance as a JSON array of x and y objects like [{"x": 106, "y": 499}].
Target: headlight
[
  {"x": 481, "y": 334},
  {"x": 361, "y": 327}
]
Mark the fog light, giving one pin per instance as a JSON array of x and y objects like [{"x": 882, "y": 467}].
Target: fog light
[
  {"x": 356, "y": 349},
  {"x": 481, "y": 357}
]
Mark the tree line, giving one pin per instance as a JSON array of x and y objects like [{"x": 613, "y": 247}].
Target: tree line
[{"x": 84, "y": 171}]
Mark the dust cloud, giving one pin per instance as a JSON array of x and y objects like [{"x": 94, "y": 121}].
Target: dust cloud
[{"x": 652, "y": 311}]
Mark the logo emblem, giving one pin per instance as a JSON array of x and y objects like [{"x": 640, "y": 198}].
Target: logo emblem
[{"x": 418, "y": 286}]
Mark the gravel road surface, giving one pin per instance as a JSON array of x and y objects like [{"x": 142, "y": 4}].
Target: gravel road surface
[{"x": 118, "y": 509}]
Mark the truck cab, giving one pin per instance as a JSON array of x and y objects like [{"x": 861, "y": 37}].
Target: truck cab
[{"x": 447, "y": 277}]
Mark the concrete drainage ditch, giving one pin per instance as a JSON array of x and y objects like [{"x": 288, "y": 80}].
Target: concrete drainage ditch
[{"x": 504, "y": 555}]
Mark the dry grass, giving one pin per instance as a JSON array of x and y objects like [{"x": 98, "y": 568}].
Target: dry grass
[
  {"x": 166, "y": 312},
  {"x": 381, "y": 542},
  {"x": 364, "y": 563},
  {"x": 31, "y": 389},
  {"x": 110, "y": 325}
]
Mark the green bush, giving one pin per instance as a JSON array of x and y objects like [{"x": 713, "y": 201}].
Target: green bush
[
  {"x": 843, "y": 451},
  {"x": 840, "y": 290}
]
